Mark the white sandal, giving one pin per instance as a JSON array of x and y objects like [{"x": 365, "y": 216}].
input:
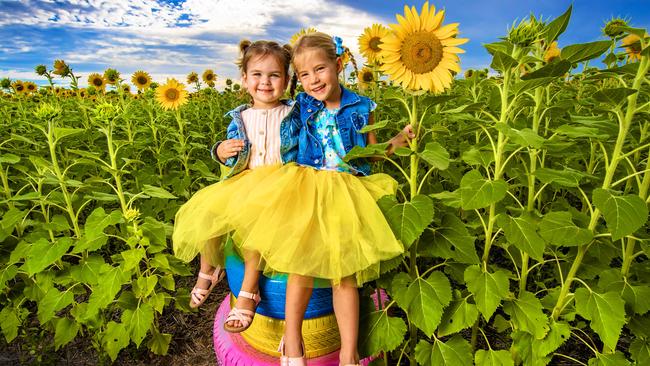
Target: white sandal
[
  {"x": 291, "y": 361},
  {"x": 244, "y": 316},
  {"x": 199, "y": 295}
]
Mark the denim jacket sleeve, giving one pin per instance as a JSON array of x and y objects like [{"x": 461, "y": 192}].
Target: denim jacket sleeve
[{"x": 231, "y": 133}]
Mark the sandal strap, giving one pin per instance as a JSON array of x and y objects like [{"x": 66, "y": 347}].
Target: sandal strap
[
  {"x": 249, "y": 295},
  {"x": 244, "y": 316},
  {"x": 214, "y": 277}
]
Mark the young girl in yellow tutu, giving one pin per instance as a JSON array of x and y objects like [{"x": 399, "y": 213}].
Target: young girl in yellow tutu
[
  {"x": 260, "y": 138},
  {"x": 320, "y": 218}
]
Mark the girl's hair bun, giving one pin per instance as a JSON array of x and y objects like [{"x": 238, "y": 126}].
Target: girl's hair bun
[
  {"x": 243, "y": 45},
  {"x": 287, "y": 48}
]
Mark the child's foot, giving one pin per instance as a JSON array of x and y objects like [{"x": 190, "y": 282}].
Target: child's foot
[
  {"x": 205, "y": 283},
  {"x": 241, "y": 316},
  {"x": 293, "y": 346},
  {"x": 351, "y": 359}
]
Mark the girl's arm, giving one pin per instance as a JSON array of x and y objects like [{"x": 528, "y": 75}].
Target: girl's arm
[{"x": 400, "y": 140}]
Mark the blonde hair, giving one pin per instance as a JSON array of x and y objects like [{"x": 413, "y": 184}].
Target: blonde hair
[{"x": 323, "y": 42}]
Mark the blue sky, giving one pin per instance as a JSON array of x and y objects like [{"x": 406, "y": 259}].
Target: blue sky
[{"x": 172, "y": 38}]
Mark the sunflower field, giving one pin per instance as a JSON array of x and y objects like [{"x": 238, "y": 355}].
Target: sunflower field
[{"x": 523, "y": 198}]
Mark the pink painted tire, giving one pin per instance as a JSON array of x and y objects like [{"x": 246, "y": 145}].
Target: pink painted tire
[{"x": 232, "y": 350}]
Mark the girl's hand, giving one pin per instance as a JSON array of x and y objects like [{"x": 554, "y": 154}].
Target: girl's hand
[
  {"x": 402, "y": 139},
  {"x": 229, "y": 148}
]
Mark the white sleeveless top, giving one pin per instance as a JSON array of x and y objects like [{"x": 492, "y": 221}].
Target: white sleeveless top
[{"x": 263, "y": 131}]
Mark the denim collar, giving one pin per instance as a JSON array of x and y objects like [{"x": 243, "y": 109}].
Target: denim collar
[
  {"x": 347, "y": 98},
  {"x": 243, "y": 107}
]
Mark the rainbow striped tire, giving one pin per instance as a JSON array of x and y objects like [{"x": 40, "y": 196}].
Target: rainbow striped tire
[
  {"x": 273, "y": 290},
  {"x": 233, "y": 350}
]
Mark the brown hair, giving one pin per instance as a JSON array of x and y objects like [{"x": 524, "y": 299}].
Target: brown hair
[
  {"x": 248, "y": 50},
  {"x": 325, "y": 43}
]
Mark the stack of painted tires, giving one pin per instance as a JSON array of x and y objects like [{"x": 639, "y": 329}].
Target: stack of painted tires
[{"x": 258, "y": 345}]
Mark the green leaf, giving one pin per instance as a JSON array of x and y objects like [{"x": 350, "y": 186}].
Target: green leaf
[
  {"x": 502, "y": 62},
  {"x": 66, "y": 330},
  {"x": 366, "y": 152},
  {"x": 408, "y": 220},
  {"x": 374, "y": 126},
  {"x": 525, "y": 85},
  {"x": 526, "y": 314},
  {"x": 474, "y": 156},
  {"x": 559, "y": 332},
  {"x": 456, "y": 351},
  {"x": 605, "y": 311},
  {"x": 640, "y": 351},
  {"x": 132, "y": 258},
  {"x": 557, "y": 26},
  {"x": 452, "y": 240},
  {"x": 525, "y": 137},
  {"x": 522, "y": 233},
  {"x": 613, "y": 96},
  {"x": 112, "y": 279},
  {"x": 7, "y": 273},
  {"x": 157, "y": 192},
  {"x": 576, "y": 53},
  {"x": 94, "y": 237},
  {"x": 42, "y": 253},
  {"x": 611, "y": 359},
  {"x": 145, "y": 285},
  {"x": 382, "y": 333},
  {"x": 423, "y": 300},
  {"x": 9, "y": 158},
  {"x": 565, "y": 178},
  {"x": 488, "y": 288},
  {"x": 435, "y": 155},
  {"x": 53, "y": 301},
  {"x": 478, "y": 192},
  {"x": 62, "y": 132},
  {"x": 138, "y": 322},
  {"x": 450, "y": 199},
  {"x": 623, "y": 214},
  {"x": 458, "y": 315},
  {"x": 89, "y": 270},
  {"x": 159, "y": 342},
  {"x": 115, "y": 338},
  {"x": 9, "y": 220},
  {"x": 157, "y": 301},
  {"x": 580, "y": 132},
  {"x": 9, "y": 322},
  {"x": 493, "y": 358},
  {"x": 553, "y": 70},
  {"x": 557, "y": 228},
  {"x": 403, "y": 151}
]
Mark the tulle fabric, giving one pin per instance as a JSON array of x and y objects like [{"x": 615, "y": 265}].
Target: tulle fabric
[
  {"x": 316, "y": 223},
  {"x": 202, "y": 223}
]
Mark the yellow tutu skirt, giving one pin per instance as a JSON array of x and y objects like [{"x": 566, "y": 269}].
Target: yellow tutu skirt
[
  {"x": 202, "y": 221},
  {"x": 317, "y": 223}
]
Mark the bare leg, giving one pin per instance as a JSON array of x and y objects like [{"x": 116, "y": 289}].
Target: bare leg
[
  {"x": 250, "y": 284},
  {"x": 346, "y": 308},
  {"x": 206, "y": 268},
  {"x": 299, "y": 289}
]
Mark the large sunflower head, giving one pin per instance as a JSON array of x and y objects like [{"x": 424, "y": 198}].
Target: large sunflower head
[
  {"x": 30, "y": 87},
  {"x": 97, "y": 81},
  {"x": 421, "y": 53},
  {"x": 209, "y": 76},
  {"x": 171, "y": 95},
  {"x": 192, "y": 78},
  {"x": 111, "y": 76},
  {"x": 370, "y": 40},
  {"x": 141, "y": 79},
  {"x": 19, "y": 87},
  {"x": 61, "y": 68},
  {"x": 301, "y": 33},
  {"x": 632, "y": 44}
]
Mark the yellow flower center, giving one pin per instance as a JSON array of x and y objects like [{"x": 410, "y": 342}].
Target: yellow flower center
[
  {"x": 142, "y": 80},
  {"x": 98, "y": 82},
  {"x": 374, "y": 44},
  {"x": 421, "y": 52},
  {"x": 171, "y": 94}
]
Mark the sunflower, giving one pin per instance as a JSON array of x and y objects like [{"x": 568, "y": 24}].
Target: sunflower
[
  {"x": 111, "y": 76},
  {"x": 61, "y": 68},
  {"x": 552, "y": 52},
  {"x": 192, "y": 78},
  {"x": 370, "y": 40},
  {"x": 171, "y": 95},
  {"x": 365, "y": 77},
  {"x": 301, "y": 33},
  {"x": 19, "y": 87},
  {"x": 211, "y": 84},
  {"x": 209, "y": 76},
  {"x": 30, "y": 87},
  {"x": 97, "y": 81},
  {"x": 632, "y": 44},
  {"x": 420, "y": 53},
  {"x": 82, "y": 93},
  {"x": 126, "y": 88},
  {"x": 141, "y": 79}
]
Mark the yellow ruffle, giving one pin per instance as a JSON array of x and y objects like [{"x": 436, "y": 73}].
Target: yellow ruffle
[{"x": 317, "y": 223}]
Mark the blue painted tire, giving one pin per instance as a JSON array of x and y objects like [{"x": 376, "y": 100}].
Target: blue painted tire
[{"x": 273, "y": 292}]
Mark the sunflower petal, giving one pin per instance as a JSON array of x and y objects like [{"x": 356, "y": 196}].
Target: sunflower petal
[
  {"x": 454, "y": 41},
  {"x": 453, "y": 50},
  {"x": 447, "y": 31},
  {"x": 437, "y": 20}
]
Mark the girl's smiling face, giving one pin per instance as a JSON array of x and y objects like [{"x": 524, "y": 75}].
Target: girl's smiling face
[
  {"x": 319, "y": 76},
  {"x": 265, "y": 80}
]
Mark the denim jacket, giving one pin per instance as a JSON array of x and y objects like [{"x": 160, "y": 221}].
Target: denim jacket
[
  {"x": 289, "y": 128},
  {"x": 352, "y": 116}
]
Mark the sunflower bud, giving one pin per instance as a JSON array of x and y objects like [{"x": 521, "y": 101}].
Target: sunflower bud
[
  {"x": 228, "y": 82},
  {"x": 469, "y": 73},
  {"x": 111, "y": 76},
  {"x": 40, "y": 70},
  {"x": 552, "y": 52},
  {"x": 236, "y": 87},
  {"x": 612, "y": 28},
  {"x": 47, "y": 111},
  {"x": 5, "y": 83},
  {"x": 131, "y": 214},
  {"x": 526, "y": 33},
  {"x": 106, "y": 112}
]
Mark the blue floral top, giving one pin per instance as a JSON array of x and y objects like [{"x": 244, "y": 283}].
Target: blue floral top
[{"x": 324, "y": 127}]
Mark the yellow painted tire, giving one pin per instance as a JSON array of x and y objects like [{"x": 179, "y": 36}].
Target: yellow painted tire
[{"x": 321, "y": 335}]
